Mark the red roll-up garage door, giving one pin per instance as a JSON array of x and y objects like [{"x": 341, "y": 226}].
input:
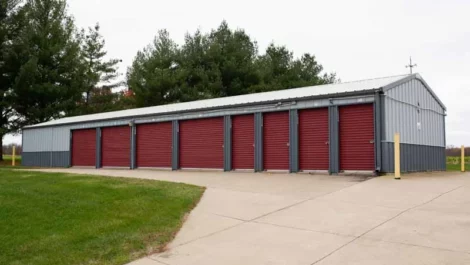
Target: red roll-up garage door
[
  {"x": 201, "y": 143},
  {"x": 276, "y": 140},
  {"x": 313, "y": 139},
  {"x": 153, "y": 144},
  {"x": 115, "y": 146},
  {"x": 243, "y": 138},
  {"x": 356, "y": 135},
  {"x": 84, "y": 147}
]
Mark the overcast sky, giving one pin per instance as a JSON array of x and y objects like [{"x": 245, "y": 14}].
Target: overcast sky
[{"x": 356, "y": 39}]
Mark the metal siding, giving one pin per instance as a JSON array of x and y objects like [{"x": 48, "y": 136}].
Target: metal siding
[
  {"x": 45, "y": 159},
  {"x": 37, "y": 140},
  {"x": 259, "y": 142},
  {"x": 378, "y": 132},
  {"x": 227, "y": 143},
  {"x": 243, "y": 142},
  {"x": 333, "y": 125},
  {"x": 402, "y": 116},
  {"x": 414, "y": 158},
  {"x": 153, "y": 145},
  {"x": 175, "y": 139},
  {"x": 355, "y": 87},
  {"x": 133, "y": 152},
  {"x": 201, "y": 143},
  {"x": 313, "y": 138},
  {"x": 84, "y": 147},
  {"x": 116, "y": 146},
  {"x": 356, "y": 131},
  {"x": 98, "y": 148},
  {"x": 61, "y": 159},
  {"x": 276, "y": 140},
  {"x": 293, "y": 141}
]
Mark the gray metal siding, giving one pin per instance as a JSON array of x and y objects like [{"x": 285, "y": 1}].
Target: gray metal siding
[
  {"x": 417, "y": 124},
  {"x": 293, "y": 141},
  {"x": 333, "y": 121},
  {"x": 45, "y": 159},
  {"x": 378, "y": 132},
  {"x": 175, "y": 164},
  {"x": 414, "y": 158},
  {"x": 98, "y": 148},
  {"x": 227, "y": 143},
  {"x": 259, "y": 142},
  {"x": 133, "y": 146}
]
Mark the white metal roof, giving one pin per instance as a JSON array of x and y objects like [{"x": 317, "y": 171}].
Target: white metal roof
[{"x": 295, "y": 93}]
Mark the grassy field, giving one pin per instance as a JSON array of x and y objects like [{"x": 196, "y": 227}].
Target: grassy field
[
  {"x": 453, "y": 163},
  {"x": 7, "y": 160},
  {"x": 74, "y": 219}
]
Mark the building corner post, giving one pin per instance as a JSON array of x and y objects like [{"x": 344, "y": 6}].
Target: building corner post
[{"x": 378, "y": 107}]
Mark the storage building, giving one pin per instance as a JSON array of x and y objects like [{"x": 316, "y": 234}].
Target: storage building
[{"x": 333, "y": 128}]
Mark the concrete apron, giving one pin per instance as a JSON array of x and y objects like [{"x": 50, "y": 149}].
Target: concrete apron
[{"x": 248, "y": 218}]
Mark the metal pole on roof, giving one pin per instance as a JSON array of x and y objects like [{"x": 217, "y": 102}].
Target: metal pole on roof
[{"x": 411, "y": 66}]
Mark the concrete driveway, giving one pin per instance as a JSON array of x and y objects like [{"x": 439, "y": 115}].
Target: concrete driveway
[{"x": 246, "y": 218}]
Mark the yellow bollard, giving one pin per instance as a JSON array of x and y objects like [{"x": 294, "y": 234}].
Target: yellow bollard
[
  {"x": 13, "y": 156},
  {"x": 397, "y": 156},
  {"x": 462, "y": 162}
]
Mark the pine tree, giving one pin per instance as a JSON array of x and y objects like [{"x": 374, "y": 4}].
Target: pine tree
[
  {"x": 100, "y": 74},
  {"x": 50, "y": 80},
  {"x": 11, "y": 21}
]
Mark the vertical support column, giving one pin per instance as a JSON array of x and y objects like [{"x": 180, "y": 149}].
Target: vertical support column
[
  {"x": 333, "y": 117},
  {"x": 133, "y": 146},
  {"x": 175, "y": 139},
  {"x": 70, "y": 148},
  {"x": 227, "y": 143},
  {"x": 397, "y": 156},
  {"x": 258, "y": 142},
  {"x": 293, "y": 141},
  {"x": 378, "y": 132},
  {"x": 98, "y": 148}
]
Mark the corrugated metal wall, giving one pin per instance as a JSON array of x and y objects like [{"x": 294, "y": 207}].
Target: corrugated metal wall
[{"x": 412, "y": 111}]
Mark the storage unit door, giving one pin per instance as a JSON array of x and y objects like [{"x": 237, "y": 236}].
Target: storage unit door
[
  {"x": 153, "y": 144},
  {"x": 313, "y": 139},
  {"x": 243, "y": 139},
  {"x": 356, "y": 135},
  {"x": 276, "y": 140},
  {"x": 201, "y": 143},
  {"x": 116, "y": 147},
  {"x": 84, "y": 147}
]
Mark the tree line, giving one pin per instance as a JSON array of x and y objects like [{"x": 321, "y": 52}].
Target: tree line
[{"x": 49, "y": 68}]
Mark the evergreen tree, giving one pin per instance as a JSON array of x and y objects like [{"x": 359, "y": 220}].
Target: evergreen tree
[
  {"x": 11, "y": 21},
  {"x": 50, "y": 80},
  {"x": 100, "y": 74},
  {"x": 155, "y": 74},
  {"x": 224, "y": 62}
]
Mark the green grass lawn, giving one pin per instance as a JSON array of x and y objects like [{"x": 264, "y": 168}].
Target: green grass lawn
[{"x": 68, "y": 219}]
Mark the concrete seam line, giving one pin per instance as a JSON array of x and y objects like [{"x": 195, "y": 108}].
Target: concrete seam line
[
  {"x": 303, "y": 229},
  {"x": 414, "y": 245},
  {"x": 161, "y": 262},
  {"x": 300, "y": 202},
  {"x": 384, "y": 222}
]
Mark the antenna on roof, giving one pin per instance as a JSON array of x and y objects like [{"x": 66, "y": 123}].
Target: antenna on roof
[{"x": 411, "y": 66}]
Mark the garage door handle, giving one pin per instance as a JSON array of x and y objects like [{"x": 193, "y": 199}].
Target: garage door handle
[
  {"x": 288, "y": 144},
  {"x": 327, "y": 142},
  {"x": 372, "y": 141}
]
